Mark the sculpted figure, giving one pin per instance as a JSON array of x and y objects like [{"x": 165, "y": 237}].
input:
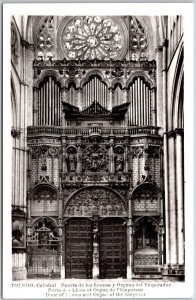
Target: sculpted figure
[
  {"x": 119, "y": 163},
  {"x": 72, "y": 162}
]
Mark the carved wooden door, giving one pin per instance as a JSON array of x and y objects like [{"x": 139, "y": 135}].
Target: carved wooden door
[
  {"x": 78, "y": 249},
  {"x": 112, "y": 248}
]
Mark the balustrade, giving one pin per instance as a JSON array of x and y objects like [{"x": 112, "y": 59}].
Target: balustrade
[{"x": 84, "y": 131}]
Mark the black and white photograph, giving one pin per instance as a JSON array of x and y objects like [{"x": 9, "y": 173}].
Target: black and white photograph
[{"x": 97, "y": 152}]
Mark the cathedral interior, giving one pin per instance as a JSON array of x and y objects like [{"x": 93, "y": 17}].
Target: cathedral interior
[{"x": 97, "y": 147}]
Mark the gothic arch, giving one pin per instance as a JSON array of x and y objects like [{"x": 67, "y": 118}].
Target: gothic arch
[
  {"x": 117, "y": 81},
  {"x": 147, "y": 200},
  {"x": 148, "y": 185},
  {"x": 54, "y": 221},
  {"x": 13, "y": 103},
  {"x": 95, "y": 200},
  {"x": 39, "y": 186},
  {"x": 46, "y": 73},
  {"x": 177, "y": 93},
  {"x": 91, "y": 73},
  {"x": 149, "y": 217},
  {"x": 72, "y": 80},
  {"x": 140, "y": 74}
]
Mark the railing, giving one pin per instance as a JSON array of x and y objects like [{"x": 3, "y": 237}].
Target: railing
[{"x": 84, "y": 131}]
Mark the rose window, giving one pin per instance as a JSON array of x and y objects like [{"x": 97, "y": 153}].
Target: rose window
[{"x": 92, "y": 37}]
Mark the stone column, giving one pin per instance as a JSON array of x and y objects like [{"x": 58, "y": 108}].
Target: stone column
[
  {"x": 111, "y": 154},
  {"x": 162, "y": 119},
  {"x": 60, "y": 233},
  {"x": 28, "y": 217},
  {"x": 167, "y": 215},
  {"x": 172, "y": 199},
  {"x": 180, "y": 194},
  {"x": 161, "y": 242},
  {"x": 159, "y": 61},
  {"x": 126, "y": 154},
  {"x": 95, "y": 247},
  {"x": 29, "y": 168},
  {"x": 130, "y": 232}
]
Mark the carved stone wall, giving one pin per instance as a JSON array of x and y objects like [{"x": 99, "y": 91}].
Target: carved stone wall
[{"x": 95, "y": 201}]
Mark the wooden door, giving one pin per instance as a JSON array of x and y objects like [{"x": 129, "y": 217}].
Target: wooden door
[
  {"x": 112, "y": 248},
  {"x": 78, "y": 248}
]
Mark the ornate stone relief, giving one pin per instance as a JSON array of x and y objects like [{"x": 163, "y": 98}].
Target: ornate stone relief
[
  {"x": 95, "y": 201},
  {"x": 95, "y": 159},
  {"x": 43, "y": 234},
  {"x": 44, "y": 193},
  {"x": 119, "y": 159}
]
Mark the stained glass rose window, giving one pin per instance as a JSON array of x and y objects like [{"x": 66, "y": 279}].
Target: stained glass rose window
[{"x": 92, "y": 37}]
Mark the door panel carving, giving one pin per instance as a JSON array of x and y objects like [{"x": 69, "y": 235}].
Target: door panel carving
[
  {"x": 78, "y": 248},
  {"x": 112, "y": 248}
]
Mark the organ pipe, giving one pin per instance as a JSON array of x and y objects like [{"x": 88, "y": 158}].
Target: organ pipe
[
  {"x": 49, "y": 104},
  {"x": 95, "y": 90},
  {"x": 142, "y": 103},
  {"x": 149, "y": 99},
  {"x": 136, "y": 98},
  {"x": 40, "y": 103},
  {"x": 139, "y": 108},
  {"x": 147, "y": 105},
  {"x": 59, "y": 121},
  {"x": 131, "y": 106},
  {"x": 56, "y": 106},
  {"x": 53, "y": 103},
  {"x": 133, "y": 91},
  {"x": 144, "y": 91},
  {"x": 58, "y": 109}
]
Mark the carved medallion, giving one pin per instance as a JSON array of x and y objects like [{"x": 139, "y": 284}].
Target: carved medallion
[{"x": 95, "y": 159}]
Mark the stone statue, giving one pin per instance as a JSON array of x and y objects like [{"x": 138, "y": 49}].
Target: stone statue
[
  {"x": 119, "y": 163},
  {"x": 72, "y": 162}
]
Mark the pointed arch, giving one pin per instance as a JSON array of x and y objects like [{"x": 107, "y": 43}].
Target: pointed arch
[
  {"x": 46, "y": 73},
  {"x": 39, "y": 186},
  {"x": 13, "y": 103},
  {"x": 177, "y": 104}
]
